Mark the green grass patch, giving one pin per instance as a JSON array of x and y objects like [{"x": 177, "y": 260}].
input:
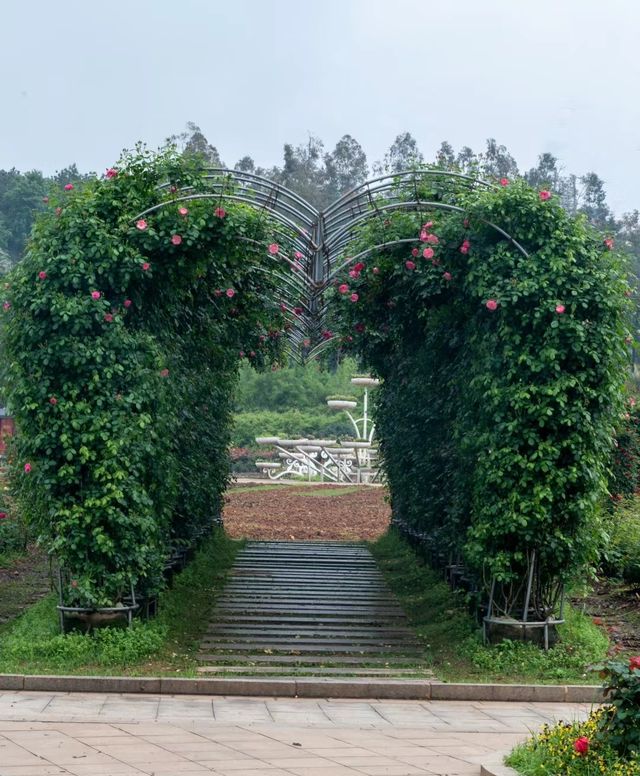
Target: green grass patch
[
  {"x": 453, "y": 640},
  {"x": 307, "y": 490},
  {"x": 164, "y": 645}
]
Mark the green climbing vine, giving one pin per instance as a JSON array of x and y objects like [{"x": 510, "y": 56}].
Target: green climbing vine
[
  {"x": 502, "y": 371},
  {"x": 123, "y": 331}
]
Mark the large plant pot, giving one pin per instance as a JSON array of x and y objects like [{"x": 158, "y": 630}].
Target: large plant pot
[{"x": 365, "y": 382}]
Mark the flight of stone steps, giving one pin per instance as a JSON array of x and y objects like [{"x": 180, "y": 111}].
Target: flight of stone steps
[{"x": 309, "y": 608}]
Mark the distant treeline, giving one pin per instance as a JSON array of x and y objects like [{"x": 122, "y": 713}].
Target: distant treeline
[{"x": 321, "y": 176}]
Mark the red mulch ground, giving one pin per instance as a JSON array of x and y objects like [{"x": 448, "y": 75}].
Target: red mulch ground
[{"x": 287, "y": 512}]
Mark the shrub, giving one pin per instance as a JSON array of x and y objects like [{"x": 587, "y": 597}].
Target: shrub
[{"x": 620, "y": 728}]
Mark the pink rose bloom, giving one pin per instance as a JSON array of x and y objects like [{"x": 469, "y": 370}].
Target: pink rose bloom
[
  {"x": 273, "y": 248},
  {"x": 27, "y": 468},
  {"x": 359, "y": 266},
  {"x": 173, "y": 189},
  {"x": 111, "y": 172},
  {"x": 560, "y": 308},
  {"x": 545, "y": 195},
  {"x": 447, "y": 276},
  {"x": 375, "y": 270},
  {"x": 414, "y": 252},
  {"x": 609, "y": 243},
  {"x": 464, "y": 248},
  {"x": 53, "y": 401},
  {"x": 423, "y": 235},
  {"x": 327, "y": 334},
  {"x": 283, "y": 307},
  {"x": 504, "y": 181},
  {"x": 297, "y": 255},
  {"x": 164, "y": 373},
  {"x": 141, "y": 224},
  {"x": 183, "y": 211},
  {"x": 220, "y": 212},
  {"x": 353, "y": 273},
  {"x": 45, "y": 200},
  {"x": 6, "y": 306},
  {"x": 428, "y": 225},
  {"x": 127, "y": 303},
  {"x": 230, "y": 293},
  {"x": 42, "y": 275},
  {"x": 492, "y": 305},
  {"x": 354, "y": 297},
  {"x": 306, "y": 343},
  {"x": 58, "y": 211},
  {"x": 176, "y": 239},
  {"x": 428, "y": 253},
  {"x": 343, "y": 288},
  {"x": 108, "y": 317},
  {"x": 95, "y": 295},
  {"x": 432, "y": 239},
  {"x": 410, "y": 264},
  {"x": 297, "y": 310},
  {"x": 241, "y": 354},
  {"x": 68, "y": 187},
  {"x": 146, "y": 266}
]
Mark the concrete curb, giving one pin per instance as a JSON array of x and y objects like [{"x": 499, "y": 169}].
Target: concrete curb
[
  {"x": 388, "y": 689},
  {"x": 497, "y": 770}
]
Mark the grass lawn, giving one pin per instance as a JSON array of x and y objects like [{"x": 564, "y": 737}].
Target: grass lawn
[
  {"x": 165, "y": 645},
  {"x": 453, "y": 640}
]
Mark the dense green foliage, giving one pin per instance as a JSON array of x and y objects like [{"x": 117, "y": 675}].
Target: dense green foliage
[
  {"x": 32, "y": 643},
  {"x": 122, "y": 336},
  {"x": 502, "y": 373},
  {"x": 621, "y": 727}
]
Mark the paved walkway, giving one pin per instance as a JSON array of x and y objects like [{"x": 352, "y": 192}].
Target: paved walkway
[
  {"x": 51, "y": 734},
  {"x": 318, "y": 607}
]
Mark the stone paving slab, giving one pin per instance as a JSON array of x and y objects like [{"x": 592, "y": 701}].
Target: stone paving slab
[{"x": 76, "y": 734}]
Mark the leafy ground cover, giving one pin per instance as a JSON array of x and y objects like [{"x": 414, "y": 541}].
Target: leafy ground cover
[
  {"x": 32, "y": 643},
  {"x": 456, "y": 652}
]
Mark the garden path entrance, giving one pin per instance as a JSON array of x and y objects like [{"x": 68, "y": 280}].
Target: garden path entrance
[{"x": 319, "y": 608}]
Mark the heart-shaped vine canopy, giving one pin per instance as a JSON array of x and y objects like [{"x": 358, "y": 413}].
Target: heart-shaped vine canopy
[{"x": 495, "y": 320}]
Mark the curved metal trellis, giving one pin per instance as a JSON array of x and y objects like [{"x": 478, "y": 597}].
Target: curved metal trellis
[{"x": 318, "y": 239}]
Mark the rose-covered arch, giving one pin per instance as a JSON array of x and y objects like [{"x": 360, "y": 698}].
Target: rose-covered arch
[
  {"x": 496, "y": 322},
  {"x": 494, "y": 319},
  {"x": 124, "y": 327}
]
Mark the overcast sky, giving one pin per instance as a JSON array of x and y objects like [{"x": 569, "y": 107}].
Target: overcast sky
[{"x": 81, "y": 80}]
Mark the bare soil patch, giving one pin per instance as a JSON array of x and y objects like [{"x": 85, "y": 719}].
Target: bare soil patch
[
  {"x": 312, "y": 512},
  {"x": 23, "y": 582},
  {"x": 615, "y": 606}
]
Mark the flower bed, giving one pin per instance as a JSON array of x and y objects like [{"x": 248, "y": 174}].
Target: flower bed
[{"x": 607, "y": 743}]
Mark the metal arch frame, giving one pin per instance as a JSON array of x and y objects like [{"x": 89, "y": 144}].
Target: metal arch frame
[{"x": 322, "y": 236}]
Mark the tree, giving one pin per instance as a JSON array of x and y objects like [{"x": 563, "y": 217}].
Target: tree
[
  {"x": 20, "y": 198},
  {"x": 546, "y": 174},
  {"x": 304, "y": 171},
  {"x": 497, "y": 162},
  {"x": 246, "y": 164},
  {"x": 445, "y": 156},
  {"x": 593, "y": 201},
  {"x": 403, "y": 154},
  {"x": 346, "y": 167},
  {"x": 466, "y": 160},
  {"x": 193, "y": 143}
]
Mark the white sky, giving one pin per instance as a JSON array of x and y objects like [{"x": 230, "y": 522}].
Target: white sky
[{"x": 81, "y": 80}]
